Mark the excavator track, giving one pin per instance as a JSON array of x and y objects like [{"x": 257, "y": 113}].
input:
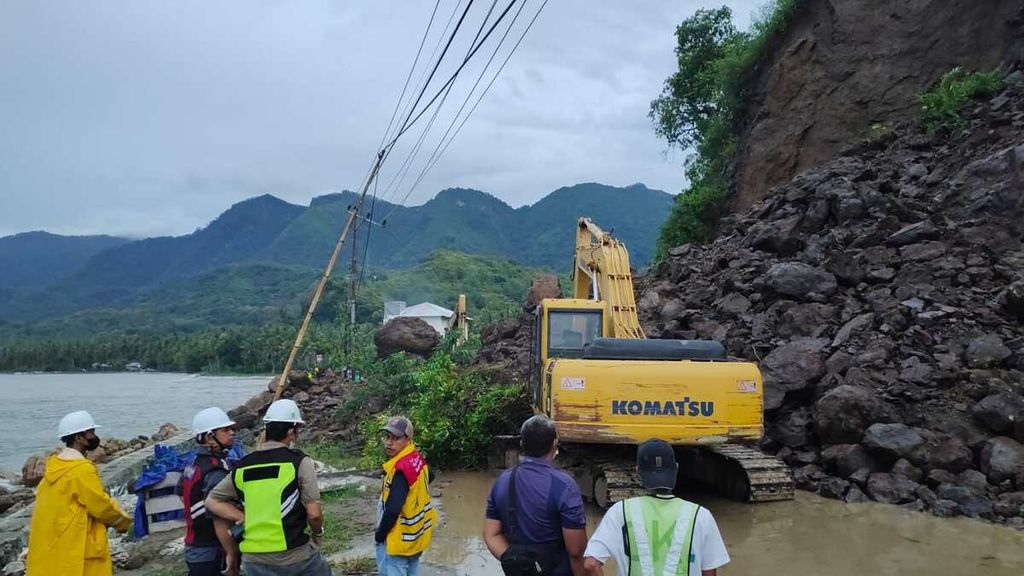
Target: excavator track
[
  {"x": 768, "y": 479},
  {"x": 607, "y": 474}
]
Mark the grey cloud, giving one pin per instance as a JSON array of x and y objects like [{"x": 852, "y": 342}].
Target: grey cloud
[{"x": 144, "y": 118}]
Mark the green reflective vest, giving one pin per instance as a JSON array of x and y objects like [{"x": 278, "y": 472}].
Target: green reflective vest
[
  {"x": 659, "y": 535},
  {"x": 275, "y": 519}
]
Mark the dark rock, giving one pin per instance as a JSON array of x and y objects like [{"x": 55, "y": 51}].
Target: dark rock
[
  {"x": 838, "y": 362},
  {"x": 974, "y": 480},
  {"x": 947, "y": 452},
  {"x": 1015, "y": 299},
  {"x": 412, "y": 335},
  {"x": 793, "y": 429},
  {"x": 33, "y": 469},
  {"x": 945, "y": 508},
  {"x": 807, "y": 477},
  {"x": 927, "y": 496},
  {"x": 734, "y": 303},
  {"x": 845, "y": 268},
  {"x": 860, "y": 476},
  {"x": 780, "y": 236},
  {"x": 790, "y": 367},
  {"x": 891, "y": 489},
  {"x": 844, "y": 413},
  {"x": 799, "y": 280},
  {"x": 999, "y": 412},
  {"x": 855, "y": 325},
  {"x": 856, "y": 496},
  {"x": 805, "y": 320},
  {"x": 1002, "y": 459},
  {"x": 939, "y": 477},
  {"x": 924, "y": 230},
  {"x": 891, "y": 442},
  {"x": 831, "y": 487},
  {"x": 986, "y": 351},
  {"x": 1009, "y": 504},
  {"x": 903, "y": 467},
  {"x": 922, "y": 252},
  {"x": 845, "y": 459}
]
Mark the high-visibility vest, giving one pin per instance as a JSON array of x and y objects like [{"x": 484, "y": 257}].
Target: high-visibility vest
[
  {"x": 659, "y": 535},
  {"x": 268, "y": 483},
  {"x": 412, "y": 531}
]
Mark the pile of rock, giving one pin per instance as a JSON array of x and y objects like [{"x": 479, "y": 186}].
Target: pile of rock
[
  {"x": 318, "y": 399},
  {"x": 883, "y": 294}
]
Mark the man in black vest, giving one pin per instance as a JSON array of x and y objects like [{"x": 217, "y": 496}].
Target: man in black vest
[
  {"x": 277, "y": 488},
  {"x": 209, "y": 548}
]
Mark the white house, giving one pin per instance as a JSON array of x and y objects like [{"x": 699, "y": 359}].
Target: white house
[{"x": 439, "y": 318}]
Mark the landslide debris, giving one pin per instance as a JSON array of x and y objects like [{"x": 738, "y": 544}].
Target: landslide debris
[{"x": 881, "y": 294}]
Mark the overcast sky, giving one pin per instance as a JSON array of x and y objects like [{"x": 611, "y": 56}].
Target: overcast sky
[{"x": 146, "y": 118}]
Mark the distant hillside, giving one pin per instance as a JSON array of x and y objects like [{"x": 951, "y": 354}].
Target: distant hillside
[
  {"x": 34, "y": 259},
  {"x": 268, "y": 231}
]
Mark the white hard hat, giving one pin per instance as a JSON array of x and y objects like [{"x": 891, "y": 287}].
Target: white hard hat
[
  {"x": 284, "y": 411},
  {"x": 210, "y": 419},
  {"x": 74, "y": 423}
]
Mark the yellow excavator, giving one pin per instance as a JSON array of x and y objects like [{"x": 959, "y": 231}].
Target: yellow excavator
[{"x": 608, "y": 388}]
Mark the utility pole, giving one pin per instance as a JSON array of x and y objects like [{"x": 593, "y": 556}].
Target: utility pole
[{"x": 352, "y": 285}]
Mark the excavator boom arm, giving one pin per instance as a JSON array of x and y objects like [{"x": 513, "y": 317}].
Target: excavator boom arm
[{"x": 602, "y": 273}]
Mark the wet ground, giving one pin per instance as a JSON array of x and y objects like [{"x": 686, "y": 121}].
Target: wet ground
[{"x": 807, "y": 536}]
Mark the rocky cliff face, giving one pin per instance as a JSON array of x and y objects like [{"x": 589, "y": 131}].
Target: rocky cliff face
[
  {"x": 846, "y": 65},
  {"x": 883, "y": 294}
]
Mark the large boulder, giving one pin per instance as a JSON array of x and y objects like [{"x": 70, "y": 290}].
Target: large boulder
[
  {"x": 947, "y": 452},
  {"x": 411, "y": 335},
  {"x": 790, "y": 367},
  {"x": 1002, "y": 459},
  {"x": 890, "y": 442},
  {"x": 798, "y": 280},
  {"x": 845, "y": 459},
  {"x": 845, "y": 412},
  {"x": 891, "y": 488},
  {"x": 986, "y": 351},
  {"x": 999, "y": 412},
  {"x": 793, "y": 429},
  {"x": 543, "y": 287}
]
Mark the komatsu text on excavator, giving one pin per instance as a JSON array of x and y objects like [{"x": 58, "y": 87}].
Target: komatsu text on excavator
[{"x": 608, "y": 388}]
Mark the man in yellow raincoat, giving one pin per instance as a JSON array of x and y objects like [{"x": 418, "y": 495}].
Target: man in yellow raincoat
[{"x": 68, "y": 534}]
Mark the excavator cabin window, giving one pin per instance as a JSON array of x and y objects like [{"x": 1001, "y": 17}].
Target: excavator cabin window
[{"x": 570, "y": 330}]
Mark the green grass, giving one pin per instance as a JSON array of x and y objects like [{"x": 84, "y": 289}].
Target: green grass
[
  {"x": 332, "y": 453},
  {"x": 343, "y": 494},
  {"x": 338, "y": 532},
  {"x": 942, "y": 106},
  {"x": 356, "y": 566}
]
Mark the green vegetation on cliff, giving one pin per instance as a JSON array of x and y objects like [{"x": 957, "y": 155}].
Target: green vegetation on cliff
[
  {"x": 941, "y": 107},
  {"x": 701, "y": 108}
]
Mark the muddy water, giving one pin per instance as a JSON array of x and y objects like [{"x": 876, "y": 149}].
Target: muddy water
[{"x": 807, "y": 536}]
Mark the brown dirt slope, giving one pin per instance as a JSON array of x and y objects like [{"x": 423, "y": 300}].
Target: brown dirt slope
[{"x": 845, "y": 65}]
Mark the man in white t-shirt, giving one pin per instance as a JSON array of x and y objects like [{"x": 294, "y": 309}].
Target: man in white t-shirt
[{"x": 657, "y": 534}]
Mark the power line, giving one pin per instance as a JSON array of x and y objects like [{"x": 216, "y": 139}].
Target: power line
[{"x": 435, "y": 159}]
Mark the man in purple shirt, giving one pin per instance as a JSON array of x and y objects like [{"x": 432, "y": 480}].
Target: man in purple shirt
[{"x": 536, "y": 509}]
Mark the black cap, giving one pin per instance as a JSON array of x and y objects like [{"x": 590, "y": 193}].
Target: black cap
[{"x": 656, "y": 462}]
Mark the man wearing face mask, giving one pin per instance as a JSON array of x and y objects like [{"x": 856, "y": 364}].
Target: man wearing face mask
[
  {"x": 68, "y": 533},
  {"x": 209, "y": 547},
  {"x": 273, "y": 495}
]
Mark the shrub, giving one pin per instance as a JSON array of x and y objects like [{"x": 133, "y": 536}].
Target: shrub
[
  {"x": 941, "y": 107},
  {"x": 701, "y": 106}
]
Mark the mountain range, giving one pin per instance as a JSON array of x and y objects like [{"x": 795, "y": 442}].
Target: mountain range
[{"x": 49, "y": 276}]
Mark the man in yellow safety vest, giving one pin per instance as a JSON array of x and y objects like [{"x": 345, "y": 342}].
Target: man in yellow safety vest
[{"x": 405, "y": 515}]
